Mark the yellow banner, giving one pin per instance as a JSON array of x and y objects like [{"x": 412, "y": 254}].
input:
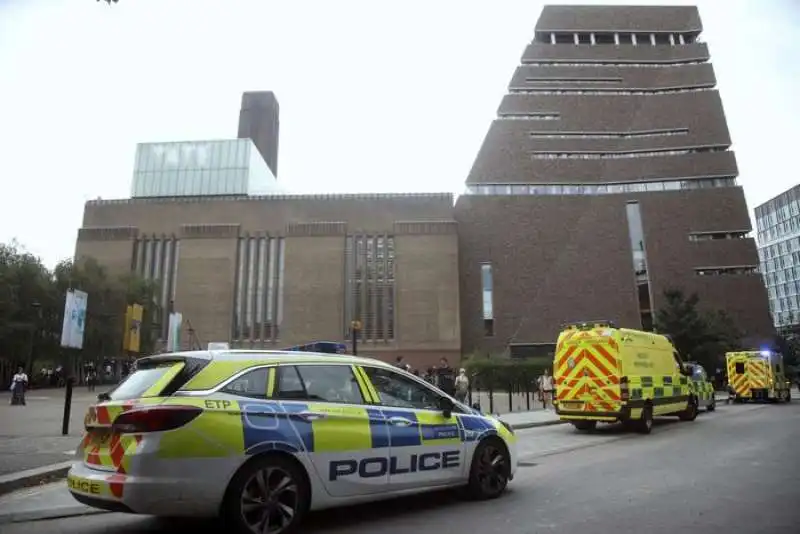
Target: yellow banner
[
  {"x": 134, "y": 341},
  {"x": 126, "y": 335},
  {"x": 131, "y": 341}
]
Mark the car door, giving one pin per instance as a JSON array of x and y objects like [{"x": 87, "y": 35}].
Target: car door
[
  {"x": 426, "y": 444},
  {"x": 327, "y": 405}
]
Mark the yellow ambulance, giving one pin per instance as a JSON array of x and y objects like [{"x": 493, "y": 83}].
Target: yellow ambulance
[
  {"x": 607, "y": 374},
  {"x": 758, "y": 375}
]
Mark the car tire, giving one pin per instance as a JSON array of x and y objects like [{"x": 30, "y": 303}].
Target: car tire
[
  {"x": 644, "y": 425},
  {"x": 490, "y": 470},
  {"x": 690, "y": 413},
  {"x": 584, "y": 426},
  {"x": 711, "y": 407},
  {"x": 272, "y": 488}
]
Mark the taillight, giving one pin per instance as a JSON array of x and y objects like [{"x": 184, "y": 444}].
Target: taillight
[
  {"x": 624, "y": 393},
  {"x": 154, "y": 419}
]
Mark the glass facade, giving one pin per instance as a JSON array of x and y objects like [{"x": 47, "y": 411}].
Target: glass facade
[
  {"x": 201, "y": 168},
  {"x": 778, "y": 225}
]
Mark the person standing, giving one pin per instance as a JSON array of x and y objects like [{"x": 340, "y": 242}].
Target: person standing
[
  {"x": 18, "y": 386},
  {"x": 545, "y": 383},
  {"x": 462, "y": 385},
  {"x": 445, "y": 377}
]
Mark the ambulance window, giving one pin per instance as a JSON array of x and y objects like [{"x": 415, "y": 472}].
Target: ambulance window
[
  {"x": 777, "y": 368},
  {"x": 330, "y": 383},
  {"x": 399, "y": 391},
  {"x": 739, "y": 368},
  {"x": 252, "y": 384}
]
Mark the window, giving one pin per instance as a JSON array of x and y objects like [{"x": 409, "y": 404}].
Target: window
[
  {"x": 698, "y": 374},
  {"x": 289, "y": 384},
  {"x": 156, "y": 258},
  {"x": 487, "y": 290},
  {"x": 370, "y": 286},
  {"x": 252, "y": 384},
  {"x": 739, "y": 368},
  {"x": 604, "y": 38},
  {"x": 602, "y": 189},
  {"x": 400, "y": 391},
  {"x": 259, "y": 289},
  {"x": 137, "y": 384},
  {"x": 326, "y": 383}
]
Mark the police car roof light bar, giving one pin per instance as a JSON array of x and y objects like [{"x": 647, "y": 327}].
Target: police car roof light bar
[
  {"x": 324, "y": 347},
  {"x": 586, "y": 325}
]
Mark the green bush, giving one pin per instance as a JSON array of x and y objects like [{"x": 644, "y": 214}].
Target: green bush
[{"x": 504, "y": 374}]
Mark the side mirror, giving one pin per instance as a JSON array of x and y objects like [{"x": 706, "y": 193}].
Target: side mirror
[
  {"x": 102, "y": 397},
  {"x": 446, "y": 405}
]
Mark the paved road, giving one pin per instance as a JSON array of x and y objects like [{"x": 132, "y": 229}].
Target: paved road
[{"x": 734, "y": 470}]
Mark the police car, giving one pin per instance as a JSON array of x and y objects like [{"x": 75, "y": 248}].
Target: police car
[{"x": 262, "y": 437}]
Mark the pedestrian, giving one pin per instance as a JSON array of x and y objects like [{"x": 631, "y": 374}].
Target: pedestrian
[
  {"x": 91, "y": 379},
  {"x": 462, "y": 385},
  {"x": 545, "y": 383},
  {"x": 18, "y": 385},
  {"x": 445, "y": 377}
]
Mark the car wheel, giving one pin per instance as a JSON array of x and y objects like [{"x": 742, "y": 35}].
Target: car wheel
[
  {"x": 645, "y": 423},
  {"x": 711, "y": 407},
  {"x": 490, "y": 470},
  {"x": 268, "y": 495},
  {"x": 585, "y": 426},
  {"x": 690, "y": 413}
]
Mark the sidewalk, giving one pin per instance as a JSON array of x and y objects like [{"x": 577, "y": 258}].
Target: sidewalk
[{"x": 30, "y": 436}]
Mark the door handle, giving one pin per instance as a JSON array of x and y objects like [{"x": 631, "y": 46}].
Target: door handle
[
  {"x": 311, "y": 416},
  {"x": 400, "y": 421}
]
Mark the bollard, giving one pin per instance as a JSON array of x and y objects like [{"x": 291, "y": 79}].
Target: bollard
[{"x": 67, "y": 406}]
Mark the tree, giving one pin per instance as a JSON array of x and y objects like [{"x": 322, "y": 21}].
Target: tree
[
  {"x": 32, "y": 308},
  {"x": 107, "y": 303},
  {"x": 702, "y": 337}
]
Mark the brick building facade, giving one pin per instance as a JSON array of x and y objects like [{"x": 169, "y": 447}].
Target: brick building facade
[
  {"x": 283, "y": 270},
  {"x": 606, "y": 179}
]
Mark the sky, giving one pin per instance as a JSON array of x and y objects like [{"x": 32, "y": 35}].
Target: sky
[{"x": 374, "y": 96}]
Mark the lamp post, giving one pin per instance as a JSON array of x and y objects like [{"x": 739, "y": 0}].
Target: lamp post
[
  {"x": 355, "y": 328},
  {"x": 37, "y": 314}
]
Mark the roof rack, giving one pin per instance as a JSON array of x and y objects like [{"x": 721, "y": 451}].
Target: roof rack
[{"x": 588, "y": 325}]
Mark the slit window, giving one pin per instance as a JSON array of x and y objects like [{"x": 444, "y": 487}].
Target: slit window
[
  {"x": 487, "y": 290},
  {"x": 565, "y": 38},
  {"x": 604, "y": 38},
  {"x": 663, "y": 39}
]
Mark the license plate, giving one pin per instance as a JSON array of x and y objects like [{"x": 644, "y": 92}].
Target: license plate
[{"x": 571, "y": 404}]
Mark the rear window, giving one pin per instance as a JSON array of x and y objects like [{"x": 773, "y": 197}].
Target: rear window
[
  {"x": 138, "y": 384},
  {"x": 739, "y": 368}
]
